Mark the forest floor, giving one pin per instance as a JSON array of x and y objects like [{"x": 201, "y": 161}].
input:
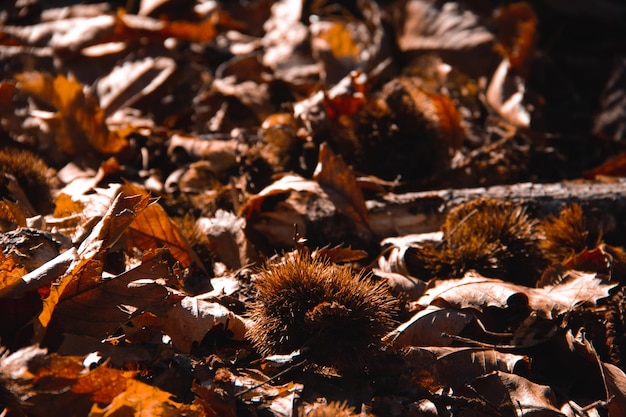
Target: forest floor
[{"x": 313, "y": 208}]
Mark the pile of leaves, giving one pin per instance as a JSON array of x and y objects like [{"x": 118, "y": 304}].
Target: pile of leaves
[{"x": 187, "y": 191}]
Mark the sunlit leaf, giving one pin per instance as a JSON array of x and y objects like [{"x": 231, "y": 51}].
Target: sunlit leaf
[
  {"x": 333, "y": 173},
  {"x": 81, "y": 119}
]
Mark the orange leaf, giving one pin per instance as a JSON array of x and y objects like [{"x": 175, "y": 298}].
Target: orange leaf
[
  {"x": 145, "y": 400},
  {"x": 81, "y": 118},
  {"x": 103, "y": 383},
  {"x": 153, "y": 229},
  {"x": 518, "y": 26},
  {"x": 86, "y": 270},
  {"x": 612, "y": 167}
]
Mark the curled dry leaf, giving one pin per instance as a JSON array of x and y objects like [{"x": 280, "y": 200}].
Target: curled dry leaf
[
  {"x": 475, "y": 291},
  {"x": 82, "y": 121},
  {"x": 153, "y": 228},
  {"x": 131, "y": 81},
  {"x": 227, "y": 239},
  {"x": 430, "y": 25},
  {"x": 221, "y": 155},
  {"x": 449, "y": 305},
  {"x": 316, "y": 210},
  {"x": 98, "y": 309},
  {"x": 333, "y": 174},
  {"x": 142, "y": 398},
  {"x": 505, "y": 390},
  {"x": 86, "y": 270},
  {"x": 430, "y": 327},
  {"x": 67, "y": 381},
  {"x": 454, "y": 367},
  {"x": 512, "y": 109}
]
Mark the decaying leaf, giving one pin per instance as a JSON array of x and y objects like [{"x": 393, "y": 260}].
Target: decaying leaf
[
  {"x": 81, "y": 120},
  {"x": 152, "y": 150},
  {"x": 474, "y": 291},
  {"x": 152, "y": 228},
  {"x": 429, "y": 25},
  {"x": 332, "y": 173},
  {"x": 86, "y": 270}
]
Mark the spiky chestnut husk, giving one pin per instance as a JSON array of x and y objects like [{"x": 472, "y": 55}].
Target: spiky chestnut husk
[
  {"x": 496, "y": 238},
  {"x": 332, "y": 409},
  {"x": 567, "y": 234},
  {"x": 31, "y": 173},
  {"x": 337, "y": 315}
]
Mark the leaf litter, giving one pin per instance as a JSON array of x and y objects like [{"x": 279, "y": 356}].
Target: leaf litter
[{"x": 167, "y": 171}]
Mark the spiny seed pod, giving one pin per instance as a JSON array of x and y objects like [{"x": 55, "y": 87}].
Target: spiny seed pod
[
  {"x": 332, "y": 409},
  {"x": 31, "y": 173},
  {"x": 567, "y": 234},
  {"x": 495, "y": 238},
  {"x": 337, "y": 315}
]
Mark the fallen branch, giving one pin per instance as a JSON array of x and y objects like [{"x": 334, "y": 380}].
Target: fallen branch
[{"x": 423, "y": 212}]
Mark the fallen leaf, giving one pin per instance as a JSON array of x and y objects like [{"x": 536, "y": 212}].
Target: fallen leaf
[
  {"x": 153, "y": 228},
  {"x": 103, "y": 384},
  {"x": 187, "y": 321},
  {"x": 131, "y": 81},
  {"x": 454, "y": 367},
  {"x": 438, "y": 26},
  {"x": 430, "y": 327},
  {"x": 86, "y": 271},
  {"x": 517, "y": 23},
  {"x": 97, "y": 310},
  {"x": 332, "y": 173},
  {"x": 142, "y": 399},
  {"x": 507, "y": 391},
  {"x": 615, "y": 381},
  {"x": 474, "y": 291},
  {"x": 82, "y": 121},
  {"x": 512, "y": 109}
]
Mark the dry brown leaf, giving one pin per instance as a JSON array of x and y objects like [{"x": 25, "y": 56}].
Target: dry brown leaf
[
  {"x": 227, "y": 239},
  {"x": 429, "y": 327},
  {"x": 12, "y": 213},
  {"x": 512, "y": 109},
  {"x": 615, "y": 381},
  {"x": 475, "y": 291},
  {"x": 335, "y": 176},
  {"x": 436, "y": 367},
  {"x": 187, "y": 321},
  {"x": 430, "y": 25},
  {"x": 86, "y": 271},
  {"x": 252, "y": 383},
  {"x": 82, "y": 121},
  {"x": 405, "y": 287},
  {"x": 131, "y": 81},
  {"x": 507, "y": 391},
  {"x": 285, "y": 184},
  {"x": 71, "y": 33},
  {"x": 10, "y": 274},
  {"x": 215, "y": 403},
  {"x": 99, "y": 309},
  {"x": 518, "y": 26},
  {"x": 284, "y": 34},
  {"x": 153, "y": 228},
  {"x": 15, "y": 281},
  {"x": 339, "y": 254},
  {"x": 40, "y": 383},
  {"x": 221, "y": 155}
]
